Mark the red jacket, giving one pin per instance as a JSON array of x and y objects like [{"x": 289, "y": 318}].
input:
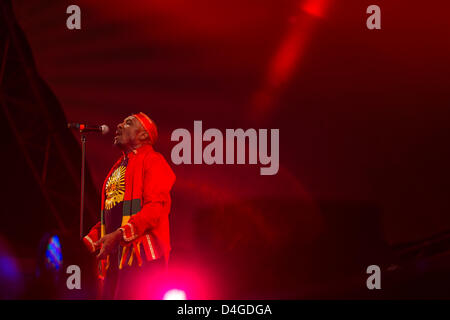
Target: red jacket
[{"x": 146, "y": 206}]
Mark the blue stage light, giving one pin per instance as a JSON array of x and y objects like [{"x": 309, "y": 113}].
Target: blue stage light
[{"x": 53, "y": 254}]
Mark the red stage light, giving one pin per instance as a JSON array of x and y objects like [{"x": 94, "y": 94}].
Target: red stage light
[{"x": 315, "y": 8}]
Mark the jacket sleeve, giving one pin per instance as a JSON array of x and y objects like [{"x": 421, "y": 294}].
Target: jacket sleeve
[
  {"x": 92, "y": 237},
  {"x": 157, "y": 183}
]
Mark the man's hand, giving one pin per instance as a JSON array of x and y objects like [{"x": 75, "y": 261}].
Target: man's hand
[{"x": 109, "y": 242}]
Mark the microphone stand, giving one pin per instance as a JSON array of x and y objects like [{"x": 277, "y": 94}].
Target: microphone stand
[
  {"x": 83, "y": 130},
  {"x": 83, "y": 170}
]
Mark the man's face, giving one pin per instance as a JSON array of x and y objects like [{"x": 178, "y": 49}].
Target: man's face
[{"x": 129, "y": 133}]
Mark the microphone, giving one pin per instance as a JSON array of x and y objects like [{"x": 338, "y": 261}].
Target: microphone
[{"x": 103, "y": 129}]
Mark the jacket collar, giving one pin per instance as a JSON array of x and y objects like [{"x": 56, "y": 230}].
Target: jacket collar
[{"x": 141, "y": 150}]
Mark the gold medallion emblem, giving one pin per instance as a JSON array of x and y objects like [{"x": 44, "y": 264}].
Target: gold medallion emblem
[{"x": 115, "y": 188}]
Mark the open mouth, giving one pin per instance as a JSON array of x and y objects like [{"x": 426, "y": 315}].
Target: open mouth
[{"x": 118, "y": 134}]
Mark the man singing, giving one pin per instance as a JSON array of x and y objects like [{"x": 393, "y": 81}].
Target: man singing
[{"x": 133, "y": 234}]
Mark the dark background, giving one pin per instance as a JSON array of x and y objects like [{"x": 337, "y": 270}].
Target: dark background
[{"x": 363, "y": 118}]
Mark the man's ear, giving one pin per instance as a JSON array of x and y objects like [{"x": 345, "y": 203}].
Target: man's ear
[{"x": 143, "y": 135}]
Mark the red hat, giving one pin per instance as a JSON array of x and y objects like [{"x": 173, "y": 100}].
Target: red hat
[{"x": 148, "y": 125}]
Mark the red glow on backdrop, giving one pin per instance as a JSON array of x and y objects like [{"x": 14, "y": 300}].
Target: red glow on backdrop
[
  {"x": 289, "y": 53},
  {"x": 186, "y": 282}
]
